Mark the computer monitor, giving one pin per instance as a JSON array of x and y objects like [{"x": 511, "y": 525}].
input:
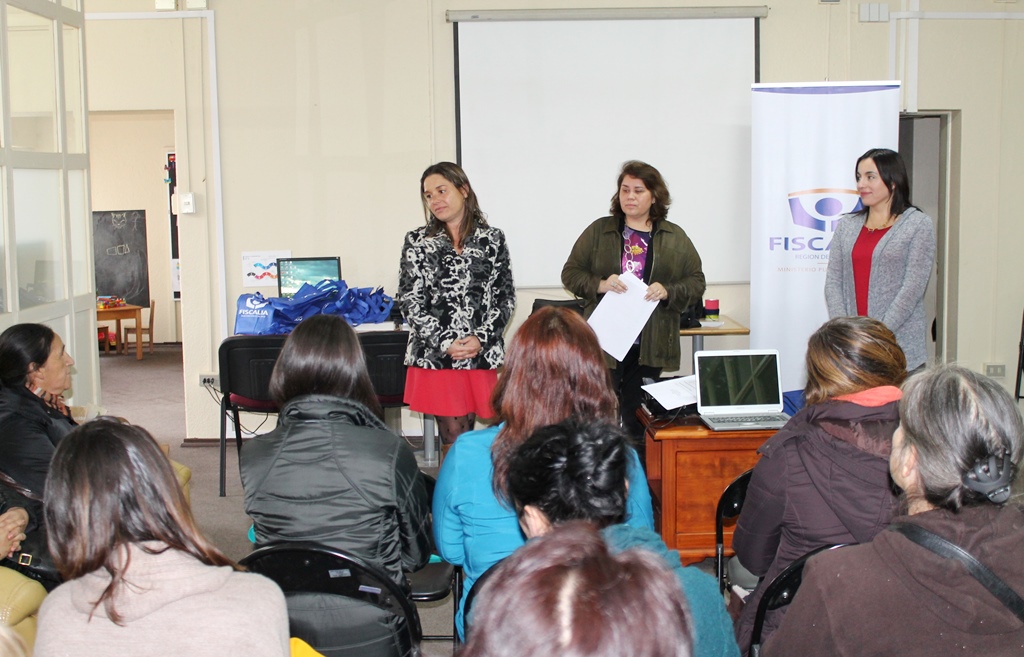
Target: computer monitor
[{"x": 293, "y": 272}]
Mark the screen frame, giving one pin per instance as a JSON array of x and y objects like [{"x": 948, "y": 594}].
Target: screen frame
[{"x": 326, "y": 259}]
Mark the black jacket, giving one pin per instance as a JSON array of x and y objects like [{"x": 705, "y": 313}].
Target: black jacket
[
  {"x": 823, "y": 479},
  {"x": 29, "y": 433},
  {"x": 333, "y": 474}
]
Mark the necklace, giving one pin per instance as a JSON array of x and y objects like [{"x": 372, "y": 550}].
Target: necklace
[
  {"x": 632, "y": 249},
  {"x": 889, "y": 222}
]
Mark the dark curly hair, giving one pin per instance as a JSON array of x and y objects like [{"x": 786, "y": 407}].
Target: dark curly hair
[
  {"x": 660, "y": 198},
  {"x": 573, "y": 470}
]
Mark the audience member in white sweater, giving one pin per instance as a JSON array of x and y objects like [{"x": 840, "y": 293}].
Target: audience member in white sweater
[{"x": 139, "y": 577}]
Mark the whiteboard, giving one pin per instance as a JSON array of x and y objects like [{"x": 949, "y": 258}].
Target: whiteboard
[{"x": 549, "y": 110}]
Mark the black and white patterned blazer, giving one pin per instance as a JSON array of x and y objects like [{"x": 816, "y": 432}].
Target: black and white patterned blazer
[{"x": 446, "y": 296}]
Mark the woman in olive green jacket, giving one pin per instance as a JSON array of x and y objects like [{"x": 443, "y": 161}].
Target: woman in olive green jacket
[{"x": 638, "y": 238}]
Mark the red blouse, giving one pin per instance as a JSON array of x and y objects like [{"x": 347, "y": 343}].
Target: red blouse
[{"x": 863, "y": 250}]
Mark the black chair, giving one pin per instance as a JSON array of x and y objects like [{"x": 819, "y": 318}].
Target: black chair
[
  {"x": 385, "y": 360},
  {"x": 780, "y": 592},
  {"x": 471, "y": 597},
  {"x": 1020, "y": 361},
  {"x": 571, "y": 304},
  {"x": 339, "y": 604},
  {"x": 436, "y": 581},
  {"x": 729, "y": 506},
  {"x": 246, "y": 362}
]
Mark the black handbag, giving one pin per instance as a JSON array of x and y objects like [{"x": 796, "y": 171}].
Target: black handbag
[
  {"x": 690, "y": 318},
  {"x": 33, "y": 560}
]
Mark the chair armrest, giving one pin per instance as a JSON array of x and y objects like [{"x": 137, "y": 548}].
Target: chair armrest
[{"x": 20, "y": 596}]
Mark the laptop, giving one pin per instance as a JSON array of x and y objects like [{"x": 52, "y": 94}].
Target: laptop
[{"x": 739, "y": 389}]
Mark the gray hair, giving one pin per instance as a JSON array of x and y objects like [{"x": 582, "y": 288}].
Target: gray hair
[{"x": 957, "y": 418}]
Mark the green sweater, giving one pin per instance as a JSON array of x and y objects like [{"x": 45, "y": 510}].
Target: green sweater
[{"x": 673, "y": 262}]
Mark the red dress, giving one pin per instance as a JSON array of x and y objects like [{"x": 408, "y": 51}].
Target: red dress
[{"x": 450, "y": 393}]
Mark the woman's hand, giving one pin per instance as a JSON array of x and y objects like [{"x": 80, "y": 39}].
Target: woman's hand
[
  {"x": 656, "y": 292},
  {"x": 12, "y": 529},
  {"x": 611, "y": 284},
  {"x": 463, "y": 348}
]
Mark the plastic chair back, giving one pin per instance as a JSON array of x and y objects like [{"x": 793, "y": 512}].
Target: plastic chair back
[
  {"x": 338, "y": 603},
  {"x": 246, "y": 363},
  {"x": 780, "y": 592},
  {"x": 729, "y": 506},
  {"x": 572, "y": 304},
  {"x": 385, "y": 361}
]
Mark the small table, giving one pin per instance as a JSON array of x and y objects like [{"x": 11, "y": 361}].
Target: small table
[
  {"x": 688, "y": 467},
  {"x": 123, "y": 312},
  {"x": 728, "y": 327}
]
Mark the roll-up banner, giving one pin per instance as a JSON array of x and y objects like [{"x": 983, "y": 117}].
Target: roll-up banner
[{"x": 805, "y": 142}]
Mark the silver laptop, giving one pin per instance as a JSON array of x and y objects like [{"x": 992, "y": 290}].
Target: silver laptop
[{"x": 739, "y": 389}]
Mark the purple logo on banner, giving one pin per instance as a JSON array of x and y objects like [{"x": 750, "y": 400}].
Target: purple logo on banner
[{"x": 819, "y": 209}]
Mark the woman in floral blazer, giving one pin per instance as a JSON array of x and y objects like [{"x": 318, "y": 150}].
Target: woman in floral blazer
[{"x": 456, "y": 292}]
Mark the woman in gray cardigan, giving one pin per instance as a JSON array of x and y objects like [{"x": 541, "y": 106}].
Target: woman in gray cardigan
[{"x": 882, "y": 256}]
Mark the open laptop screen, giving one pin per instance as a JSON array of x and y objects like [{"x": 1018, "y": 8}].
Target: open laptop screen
[
  {"x": 293, "y": 272},
  {"x": 744, "y": 379}
]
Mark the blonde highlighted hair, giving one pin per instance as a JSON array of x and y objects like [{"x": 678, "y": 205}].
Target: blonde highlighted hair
[{"x": 850, "y": 354}]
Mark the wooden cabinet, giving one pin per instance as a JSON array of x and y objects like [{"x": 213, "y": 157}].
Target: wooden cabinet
[{"x": 688, "y": 467}]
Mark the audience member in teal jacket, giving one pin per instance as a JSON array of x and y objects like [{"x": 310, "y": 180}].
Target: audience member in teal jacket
[
  {"x": 713, "y": 631},
  {"x": 578, "y": 470},
  {"x": 554, "y": 369}
]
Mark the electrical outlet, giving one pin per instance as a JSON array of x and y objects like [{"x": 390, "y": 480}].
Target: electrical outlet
[
  {"x": 208, "y": 380},
  {"x": 995, "y": 370}
]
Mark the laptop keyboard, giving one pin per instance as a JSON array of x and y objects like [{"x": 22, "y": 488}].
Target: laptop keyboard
[{"x": 743, "y": 419}]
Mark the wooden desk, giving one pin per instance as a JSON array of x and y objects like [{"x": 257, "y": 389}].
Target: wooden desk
[
  {"x": 116, "y": 315},
  {"x": 729, "y": 327},
  {"x": 688, "y": 467}
]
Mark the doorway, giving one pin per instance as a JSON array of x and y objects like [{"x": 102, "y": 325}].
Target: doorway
[
  {"x": 129, "y": 158},
  {"x": 928, "y": 144}
]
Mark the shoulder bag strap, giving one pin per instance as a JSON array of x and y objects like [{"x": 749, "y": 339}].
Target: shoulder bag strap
[{"x": 942, "y": 547}]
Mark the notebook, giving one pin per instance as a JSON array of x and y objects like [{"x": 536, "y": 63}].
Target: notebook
[{"x": 739, "y": 389}]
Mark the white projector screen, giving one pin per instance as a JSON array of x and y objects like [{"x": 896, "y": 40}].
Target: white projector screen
[{"x": 549, "y": 110}]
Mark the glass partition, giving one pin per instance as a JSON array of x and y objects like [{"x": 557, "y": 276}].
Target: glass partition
[
  {"x": 81, "y": 224},
  {"x": 33, "y": 81},
  {"x": 38, "y": 236},
  {"x": 74, "y": 111}
]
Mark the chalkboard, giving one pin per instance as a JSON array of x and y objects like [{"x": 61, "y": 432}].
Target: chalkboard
[{"x": 121, "y": 255}]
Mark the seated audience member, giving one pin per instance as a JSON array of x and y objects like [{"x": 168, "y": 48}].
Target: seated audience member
[
  {"x": 564, "y": 593},
  {"x": 824, "y": 478},
  {"x": 331, "y": 472},
  {"x": 35, "y": 371},
  {"x": 955, "y": 456},
  {"x": 554, "y": 370},
  {"x": 577, "y": 471},
  {"x": 139, "y": 577}
]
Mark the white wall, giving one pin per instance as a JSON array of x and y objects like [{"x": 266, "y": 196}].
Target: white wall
[{"x": 330, "y": 109}]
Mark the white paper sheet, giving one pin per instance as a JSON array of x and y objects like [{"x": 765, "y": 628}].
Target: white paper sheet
[
  {"x": 674, "y": 392},
  {"x": 619, "y": 318}
]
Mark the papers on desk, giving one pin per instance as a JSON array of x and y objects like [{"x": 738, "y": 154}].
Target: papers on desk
[
  {"x": 382, "y": 326},
  {"x": 707, "y": 323},
  {"x": 674, "y": 392},
  {"x": 619, "y": 318}
]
